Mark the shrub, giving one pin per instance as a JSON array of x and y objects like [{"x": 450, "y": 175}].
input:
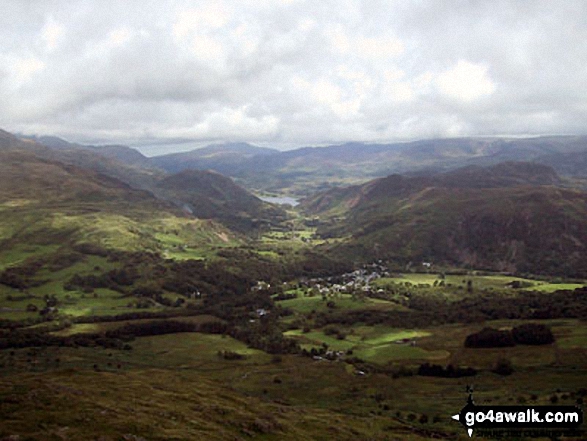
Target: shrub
[
  {"x": 231, "y": 355},
  {"x": 532, "y": 334},
  {"x": 434, "y": 370},
  {"x": 489, "y": 338},
  {"x": 503, "y": 367}
]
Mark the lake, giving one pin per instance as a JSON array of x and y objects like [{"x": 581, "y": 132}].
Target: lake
[{"x": 280, "y": 200}]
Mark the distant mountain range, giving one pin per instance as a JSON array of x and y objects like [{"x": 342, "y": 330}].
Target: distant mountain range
[
  {"x": 308, "y": 170},
  {"x": 223, "y": 158},
  {"x": 507, "y": 217}
]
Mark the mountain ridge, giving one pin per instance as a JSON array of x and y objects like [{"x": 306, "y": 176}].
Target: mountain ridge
[
  {"x": 122, "y": 153},
  {"x": 308, "y": 169},
  {"x": 304, "y": 170}
]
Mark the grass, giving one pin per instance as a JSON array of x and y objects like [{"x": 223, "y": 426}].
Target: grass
[
  {"x": 301, "y": 237},
  {"x": 571, "y": 335},
  {"x": 184, "y": 239},
  {"x": 102, "y": 301},
  {"x": 192, "y": 349},
  {"x": 316, "y": 338},
  {"x": 268, "y": 253},
  {"x": 551, "y": 287},
  {"x": 376, "y": 344},
  {"x": 80, "y": 328},
  {"x": 383, "y": 354},
  {"x": 118, "y": 230},
  {"x": 305, "y": 304},
  {"x": 152, "y": 405},
  {"x": 186, "y": 254},
  {"x": 17, "y": 315},
  {"x": 378, "y": 335},
  {"x": 20, "y": 252},
  {"x": 486, "y": 282},
  {"x": 42, "y": 233}
]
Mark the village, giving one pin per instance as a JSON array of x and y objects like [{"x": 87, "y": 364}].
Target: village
[
  {"x": 356, "y": 283},
  {"x": 356, "y": 286}
]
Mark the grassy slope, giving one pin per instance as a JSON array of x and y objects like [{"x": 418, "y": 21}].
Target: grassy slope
[
  {"x": 487, "y": 282},
  {"x": 174, "y": 237},
  {"x": 173, "y": 387},
  {"x": 211, "y": 195},
  {"x": 66, "y": 406},
  {"x": 176, "y": 387}
]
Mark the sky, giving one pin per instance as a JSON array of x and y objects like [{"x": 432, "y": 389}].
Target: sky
[{"x": 167, "y": 76}]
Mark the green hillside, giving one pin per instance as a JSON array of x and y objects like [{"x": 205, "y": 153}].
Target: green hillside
[
  {"x": 132, "y": 400},
  {"x": 508, "y": 217},
  {"x": 48, "y": 208}
]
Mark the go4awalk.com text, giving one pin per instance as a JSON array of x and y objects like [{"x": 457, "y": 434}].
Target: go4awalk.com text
[{"x": 528, "y": 418}]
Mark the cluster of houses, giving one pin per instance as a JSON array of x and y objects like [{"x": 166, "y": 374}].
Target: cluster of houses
[
  {"x": 330, "y": 356},
  {"x": 356, "y": 282}
]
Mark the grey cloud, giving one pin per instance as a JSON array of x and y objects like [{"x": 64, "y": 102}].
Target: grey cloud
[{"x": 293, "y": 72}]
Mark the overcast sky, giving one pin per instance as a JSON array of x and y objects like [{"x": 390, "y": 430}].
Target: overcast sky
[{"x": 291, "y": 73}]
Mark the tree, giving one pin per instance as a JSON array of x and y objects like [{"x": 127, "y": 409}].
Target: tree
[
  {"x": 532, "y": 334},
  {"x": 503, "y": 367}
]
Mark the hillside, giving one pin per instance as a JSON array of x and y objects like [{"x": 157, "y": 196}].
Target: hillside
[
  {"x": 209, "y": 195},
  {"x": 25, "y": 176},
  {"x": 51, "y": 207},
  {"x": 307, "y": 170},
  {"x": 570, "y": 164},
  {"x": 202, "y": 194},
  {"x": 492, "y": 218},
  {"x": 121, "y": 153},
  {"x": 157, "y": 404},
  {"x": 119, "y": 162}
]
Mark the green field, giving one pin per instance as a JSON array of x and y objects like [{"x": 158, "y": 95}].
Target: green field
[
  {"x": 305, "y": 304},
  {"x": 44, "y": 236},
  {"x": 377, "y": 344},
  {"x": 551, "y": 287},
  {"x": 485, "y": 282}
]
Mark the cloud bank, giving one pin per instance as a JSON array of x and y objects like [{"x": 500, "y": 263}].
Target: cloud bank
[{"x": 291, "y": 73}]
